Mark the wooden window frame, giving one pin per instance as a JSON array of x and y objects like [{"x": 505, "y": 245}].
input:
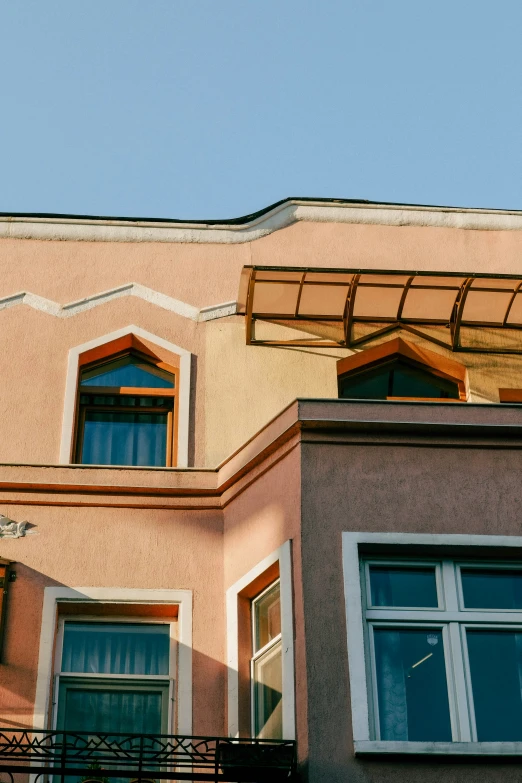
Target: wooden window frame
[
  {"x": 414, "y": 355},
  {"x": 513, "y": 396},
  {"x": 270, "y": 647},
  {"x": 95, "y": 359}
]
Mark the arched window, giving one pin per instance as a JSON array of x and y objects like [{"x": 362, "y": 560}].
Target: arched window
[
  {"x": 127, "y": 412},
  {"x": 401, "y": 370}
]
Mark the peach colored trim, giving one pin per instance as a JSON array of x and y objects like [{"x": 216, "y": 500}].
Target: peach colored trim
[
  {"x": 439, "y": 365},
  {"x": 282, "y": 556},
  {"x": 181, "y": 357},
  {"x": 510, "y": 395},
  {"x": 244, "y": 620},
  {"x": 326, "y": 420},
  {"x": 125, "y": 344}
]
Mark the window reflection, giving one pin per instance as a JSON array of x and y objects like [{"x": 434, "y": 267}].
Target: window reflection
[
  {"x": 495, "y": 661},
  {"x": 411, "y": 685},
  {"x": 267, "y": 675},
  {"x": 396, "y": 586},
  {"x": 485, "y": 588},
  {"x": 396, "y": 378}
]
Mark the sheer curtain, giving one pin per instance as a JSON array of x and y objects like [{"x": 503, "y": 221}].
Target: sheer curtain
[
  {"x": 104, "y": 711},
  {"x": 111, "y": 648},
  {"x": 391, "y": 687}
]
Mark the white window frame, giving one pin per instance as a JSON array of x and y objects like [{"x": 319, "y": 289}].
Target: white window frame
[
  {"x": 169, "y": 679},
  {"x": 261, "y": 653},
  {"x": 180, "y": 711},
  {"x": 283, "y": 555},
  {"x": 450, "y": 616},
  {"x": 71, "y": 387}
]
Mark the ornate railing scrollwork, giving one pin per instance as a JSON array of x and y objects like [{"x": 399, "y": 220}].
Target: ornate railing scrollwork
[{"x": 71, "y": 757}]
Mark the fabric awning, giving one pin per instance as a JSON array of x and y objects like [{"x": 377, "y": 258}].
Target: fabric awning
[{"x": 304, "y": 296}]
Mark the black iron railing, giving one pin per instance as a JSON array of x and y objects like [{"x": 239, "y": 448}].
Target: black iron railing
[{"x": 71, "y": 757}]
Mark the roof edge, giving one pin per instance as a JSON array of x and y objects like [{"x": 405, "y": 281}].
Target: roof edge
[{"x": 253, "y": 226}]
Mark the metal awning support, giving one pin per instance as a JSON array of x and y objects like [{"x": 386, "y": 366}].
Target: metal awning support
[
  {"x": 300, "y": 297},
  {"x": 143, "y": 757}
]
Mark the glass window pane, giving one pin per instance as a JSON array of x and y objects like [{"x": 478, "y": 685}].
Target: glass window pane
[
  {"x": 114, "y": 438},
  {"x": 370, "y": 385},
  {"x": 411, "y": 685},
  {"x": 268, "y": 689},
  {"x": 403, "y": 586},
  {"x": 128, "y": 371},
  {"x": 495, "y": 661},
  {"x": 408, "y": 381},
  {"x": 112, "y": 710},
  {"x": 396, "y": 379},
  {"x": 267, "y": 617},
  {"x": 485, "y": 588},
  {"x": 116, "y": 648}
]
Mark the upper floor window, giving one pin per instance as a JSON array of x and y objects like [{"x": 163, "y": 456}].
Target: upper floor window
[
  {"x": 400, "y": 370},
  {"x": 127, "y": 412}
]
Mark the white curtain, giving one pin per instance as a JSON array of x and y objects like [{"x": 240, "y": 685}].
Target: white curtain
[
  {"x": 391, "y": 685},
  {"x": 107, "y": 648}
]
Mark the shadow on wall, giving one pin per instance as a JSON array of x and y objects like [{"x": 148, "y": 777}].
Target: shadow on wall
[
  {"x": 20, "y": 645},
  {"x": 18, "y": 669}
]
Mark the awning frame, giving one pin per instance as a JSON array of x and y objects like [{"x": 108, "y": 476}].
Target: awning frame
[{"x": 349, "y": 318}]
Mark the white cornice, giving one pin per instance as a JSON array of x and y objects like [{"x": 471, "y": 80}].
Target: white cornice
[
  {"x": 282, "y": 215},
  {"x": 129, "y": 289}
]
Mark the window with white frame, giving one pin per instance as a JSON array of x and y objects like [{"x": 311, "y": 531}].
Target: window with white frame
[
  {"x": 444, "y": 649},
  {"x": 266, "y": 664},
  {"x": 114, "y": 676}
]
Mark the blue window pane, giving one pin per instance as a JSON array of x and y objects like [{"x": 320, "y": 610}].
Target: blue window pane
[
  {"x": 398, "y": 586},
  {"x": 124, "y": 438},
  {"x": 116, "y": 648},
  {"x": 485, "y": 588},
  {"x": 411, "y": 685},
  {"x": 128, "y": 371},
  {"x": 495, "y": 661}
]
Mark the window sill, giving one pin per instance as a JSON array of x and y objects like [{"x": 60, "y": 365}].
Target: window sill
[{"x": 469, "y": 749}]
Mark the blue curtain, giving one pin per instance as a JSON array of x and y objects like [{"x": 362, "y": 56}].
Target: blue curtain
[{"x": 124, "y": 438}]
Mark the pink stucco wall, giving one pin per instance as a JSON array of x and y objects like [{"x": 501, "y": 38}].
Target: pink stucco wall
[
  {"x": 199, "y": 275},
  {"x": 101, "y": 547},
  {"x": 377, "y": 481}
]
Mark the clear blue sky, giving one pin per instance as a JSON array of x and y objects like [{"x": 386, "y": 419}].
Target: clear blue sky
[{"x": 217, "y": 108}]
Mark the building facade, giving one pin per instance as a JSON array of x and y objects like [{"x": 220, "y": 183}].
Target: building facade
[{"x": 260, "y": 479}]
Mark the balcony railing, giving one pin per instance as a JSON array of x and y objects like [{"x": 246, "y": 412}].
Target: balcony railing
[{"x": 71, "y": 757}]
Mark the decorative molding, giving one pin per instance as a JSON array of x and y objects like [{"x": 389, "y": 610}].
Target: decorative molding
[
  {"x": 281, "y": 215},
  {"x": 129, "y": 289},
  {"x": 11, "y": 529}
]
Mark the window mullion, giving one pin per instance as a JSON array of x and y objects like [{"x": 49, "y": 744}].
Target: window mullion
[
  {"x": 449, "y": 583},
  {"x": 456, "y": 664}
]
